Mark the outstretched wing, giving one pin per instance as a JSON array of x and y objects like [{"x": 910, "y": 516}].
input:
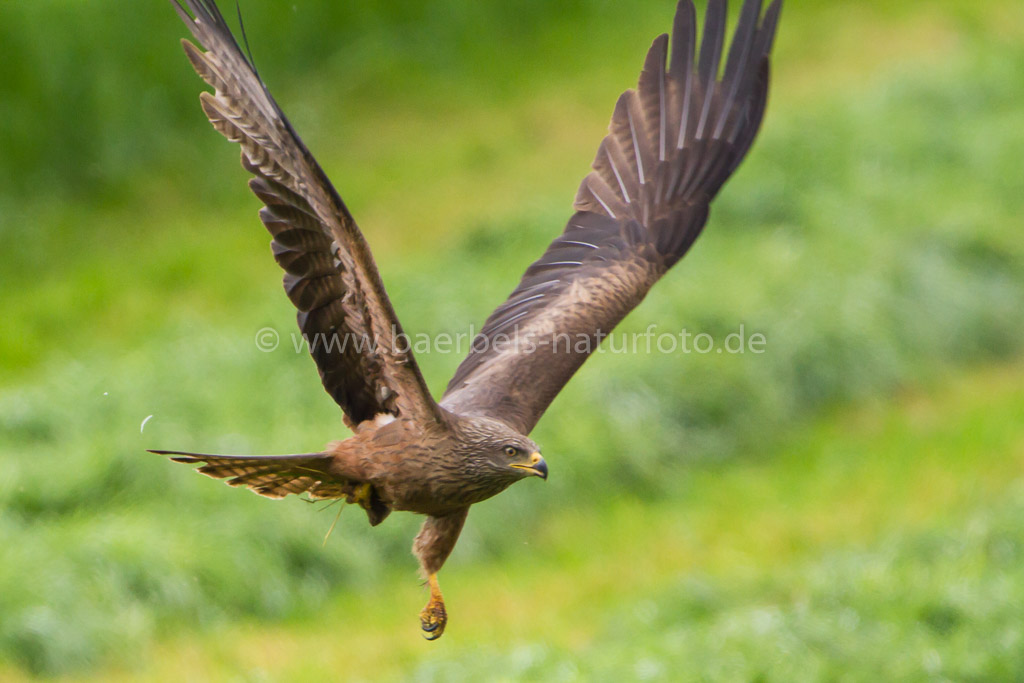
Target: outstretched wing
[
  {"x": 330, "y": 275},
  {"x": 672, "y": 143}
]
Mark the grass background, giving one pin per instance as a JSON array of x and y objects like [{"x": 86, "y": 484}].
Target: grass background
[{"x": 846, "y": 505}]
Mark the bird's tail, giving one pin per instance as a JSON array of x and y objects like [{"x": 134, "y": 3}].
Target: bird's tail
[{"x": 275, "y": 476}]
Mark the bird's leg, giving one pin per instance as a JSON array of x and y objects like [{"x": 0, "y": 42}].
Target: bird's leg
[
  {"x": 432, "y": 546},
  {"x": 434, "y": 616}
]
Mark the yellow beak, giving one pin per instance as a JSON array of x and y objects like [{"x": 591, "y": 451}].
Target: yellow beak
[{"x": 536, "y": 467}]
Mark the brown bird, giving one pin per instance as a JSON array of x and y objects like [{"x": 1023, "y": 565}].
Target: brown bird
[{"x": 672, "y": 143}]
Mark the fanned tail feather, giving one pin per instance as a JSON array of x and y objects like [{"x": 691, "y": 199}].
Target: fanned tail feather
[{"x": 273, "y": 476}]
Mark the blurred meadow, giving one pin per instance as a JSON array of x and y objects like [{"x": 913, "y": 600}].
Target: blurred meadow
[{"x": 848, "y": 504}]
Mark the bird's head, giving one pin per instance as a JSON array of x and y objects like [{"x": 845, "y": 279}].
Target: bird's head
[{"x": 500, "y": 451}]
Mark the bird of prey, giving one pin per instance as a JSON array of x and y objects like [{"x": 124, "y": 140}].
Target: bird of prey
[{"x": 672, "y": 143}]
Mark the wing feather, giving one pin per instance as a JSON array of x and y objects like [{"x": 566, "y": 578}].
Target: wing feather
[
  {"x": 671, "y": 145},
  {"x": 330, "y": 276}
]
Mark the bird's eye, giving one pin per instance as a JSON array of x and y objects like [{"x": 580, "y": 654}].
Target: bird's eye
[{"x": 510, "y": 451}]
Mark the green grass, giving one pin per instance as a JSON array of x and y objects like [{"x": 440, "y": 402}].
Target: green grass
[
  {"x": 797, "y": 520},
  {"x": 883, "y": 542}
]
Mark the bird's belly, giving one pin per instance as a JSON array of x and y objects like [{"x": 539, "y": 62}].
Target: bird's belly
[{"x": 435, "y": 497}]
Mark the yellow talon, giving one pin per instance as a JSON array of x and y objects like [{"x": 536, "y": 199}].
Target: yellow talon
[
  {"x": 434, "y": 616},
  {"x": 361, "y": 495}
]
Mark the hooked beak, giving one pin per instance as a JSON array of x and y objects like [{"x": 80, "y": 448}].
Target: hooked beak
[{"x": 536, "y": 467}]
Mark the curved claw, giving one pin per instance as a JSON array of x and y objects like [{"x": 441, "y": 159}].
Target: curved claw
[
  {"x": 434, "y": 616},
  {"x": 433, "y": 619}
]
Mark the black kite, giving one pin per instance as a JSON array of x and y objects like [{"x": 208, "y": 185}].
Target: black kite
[{"x": 672, "y": 143}]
